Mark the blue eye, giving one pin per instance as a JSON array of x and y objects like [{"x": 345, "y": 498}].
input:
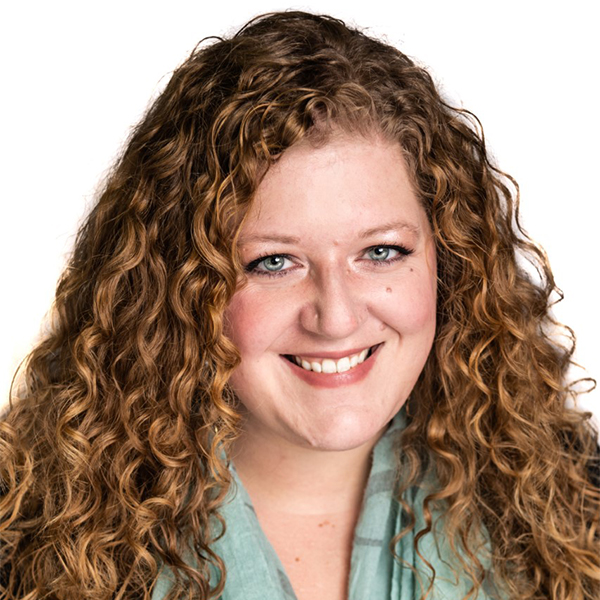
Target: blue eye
[
  {"x": 273, "y": 263},
  {"x": 383, "y": 254},
  {"x": 268, "y": 265},
  {"x": 380, "y": 252}
]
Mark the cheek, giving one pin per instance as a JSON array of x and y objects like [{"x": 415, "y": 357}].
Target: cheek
[
  {"x": 410, "y": 307},
  {"x": 414, "y": 315},
  {"x": 253, "y": 321},
  {"x": 242, "y": 325},
  {"x": 424, "y": 308},
  {"x": 241, "y": 322}
]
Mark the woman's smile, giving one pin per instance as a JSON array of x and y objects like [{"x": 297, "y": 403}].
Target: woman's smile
[
  {"x": 336, "y": 316},
  {"x": 331, "y": 362},
  {"x": 330, "y": 373}
]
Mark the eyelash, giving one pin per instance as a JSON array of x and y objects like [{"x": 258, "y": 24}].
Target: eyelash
[{"x": 251, "y": 267}]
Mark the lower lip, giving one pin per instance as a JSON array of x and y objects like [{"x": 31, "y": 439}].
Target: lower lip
[{"x": 333, "y": 380}]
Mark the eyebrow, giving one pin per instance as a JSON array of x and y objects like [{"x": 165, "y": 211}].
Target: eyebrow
[
  {"x": 366, "y": 233},
  {"x": 390, "y": 227},
  {"x": 281, "y": 239}
]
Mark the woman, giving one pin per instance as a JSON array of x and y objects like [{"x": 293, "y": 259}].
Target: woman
[{"x": 296, "y": 354}]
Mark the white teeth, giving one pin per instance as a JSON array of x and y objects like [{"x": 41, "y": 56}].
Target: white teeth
[
  {"x": 328, "y": 365},
  {"x": 343, "y": 364}
]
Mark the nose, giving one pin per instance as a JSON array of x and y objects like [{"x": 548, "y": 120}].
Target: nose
[{"x": 334, "y": 308}]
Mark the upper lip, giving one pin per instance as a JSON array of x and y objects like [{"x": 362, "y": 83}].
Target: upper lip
[{"x": 333, "y": 355}]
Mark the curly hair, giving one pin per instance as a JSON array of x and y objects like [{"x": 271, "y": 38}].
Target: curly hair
[{"x": 113, "y": 453}]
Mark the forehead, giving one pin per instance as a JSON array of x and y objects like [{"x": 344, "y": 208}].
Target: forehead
[{"x": 351, "y": 183}]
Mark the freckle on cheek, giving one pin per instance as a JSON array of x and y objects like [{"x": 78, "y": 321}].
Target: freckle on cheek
[{"x": 388, "y": 290}]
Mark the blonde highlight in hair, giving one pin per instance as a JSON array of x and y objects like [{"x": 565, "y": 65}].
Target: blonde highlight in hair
[{"x": 113, "y": 459}]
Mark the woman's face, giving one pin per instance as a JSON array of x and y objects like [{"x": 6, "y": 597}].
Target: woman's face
[{"x": 341, "y": 263}]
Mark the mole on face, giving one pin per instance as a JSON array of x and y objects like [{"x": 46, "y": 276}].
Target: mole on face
[{"x": 388, "y": 290}]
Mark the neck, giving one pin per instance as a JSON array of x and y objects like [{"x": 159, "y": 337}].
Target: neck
[{"x": 296, "y": 480}]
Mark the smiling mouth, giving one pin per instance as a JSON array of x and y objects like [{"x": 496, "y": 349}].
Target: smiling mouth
[{"x": 328, "y": 365}]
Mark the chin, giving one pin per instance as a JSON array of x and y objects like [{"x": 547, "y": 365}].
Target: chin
[{"x": 345, "y": 432}]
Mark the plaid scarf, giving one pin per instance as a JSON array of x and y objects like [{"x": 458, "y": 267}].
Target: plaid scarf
[{"x": 254, "y": 571}]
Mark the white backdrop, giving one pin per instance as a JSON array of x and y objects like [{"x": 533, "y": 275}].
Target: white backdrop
[{"x": 76, "y": 76}]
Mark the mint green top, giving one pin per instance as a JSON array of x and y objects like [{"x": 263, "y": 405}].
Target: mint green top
[{"x": 254, "y": 571}]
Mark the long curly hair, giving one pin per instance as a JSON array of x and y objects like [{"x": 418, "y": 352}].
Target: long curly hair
[{"x": 113, "y": 452}]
